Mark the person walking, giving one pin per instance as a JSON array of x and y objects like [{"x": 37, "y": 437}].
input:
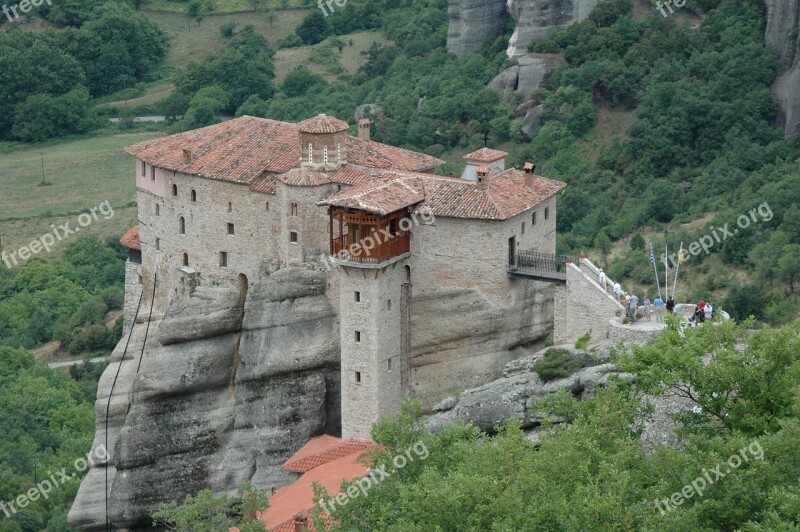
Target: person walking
[
  {"x": 647, "y": 308},
  {"x": 634, "y": 305},
  {"x": 618, "y": 292},
  {"x": 602, "y": 279},
  {"x": 659, "y": 304}
]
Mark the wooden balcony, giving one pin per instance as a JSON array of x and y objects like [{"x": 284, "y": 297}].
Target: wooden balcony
[{"x": 365, "y": 238}]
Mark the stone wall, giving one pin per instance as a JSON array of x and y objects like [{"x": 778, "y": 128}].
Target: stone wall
[
  {"x": 619, "y": 332},
  {"x": 587, "y": 307},
  {"x": 133, "y": 288}
]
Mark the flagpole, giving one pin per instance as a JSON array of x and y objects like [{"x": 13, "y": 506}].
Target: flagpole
[
  {"x": 655, "y": 268},
  {"x": 677, "y": 267},
  {"x": 666, "y": 269}
]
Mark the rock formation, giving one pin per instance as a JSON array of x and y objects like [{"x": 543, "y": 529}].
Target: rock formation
[
  {"x": 783, "y": 33},
  {"x": 472, "y": 23},
  {"x": 535, "y": 19},
  {"x": 225, "y": 394}
]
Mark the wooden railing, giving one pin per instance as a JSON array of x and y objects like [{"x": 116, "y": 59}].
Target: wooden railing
[{"x": 368, "y": 250}]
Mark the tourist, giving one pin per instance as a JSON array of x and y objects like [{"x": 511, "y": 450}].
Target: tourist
[
  {"x": 634, "y": 305},
  {"x": 618, "y": 291},
  {"x": 647, "y": 308},
  {"x": 708, "y": 311},
  {"x": 659, "y": 304},
  {"x": 670, "y": 305},
  {"x": 601, "y": 278}
]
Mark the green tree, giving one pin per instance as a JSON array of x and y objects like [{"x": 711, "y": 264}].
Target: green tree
[
  {"x": 208, "y": 512},
  {"x": 314, "y": 28}
]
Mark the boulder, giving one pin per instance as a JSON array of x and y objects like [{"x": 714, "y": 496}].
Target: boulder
[
  {"x": 783, "y": 33},
  {"x": 537, "y": 19}
]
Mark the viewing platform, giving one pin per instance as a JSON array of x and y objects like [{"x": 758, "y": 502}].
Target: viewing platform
[{"x": 538, "y": 266}]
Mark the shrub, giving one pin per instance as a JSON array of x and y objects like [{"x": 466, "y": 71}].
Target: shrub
[
  {"x": 583, "y": 341},
  {"x": 557, "y": 364}
]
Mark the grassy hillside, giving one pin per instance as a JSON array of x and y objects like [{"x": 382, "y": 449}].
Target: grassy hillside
[
  {"x": 191, "y": 40},
  {"x": 82, "y": 173}
]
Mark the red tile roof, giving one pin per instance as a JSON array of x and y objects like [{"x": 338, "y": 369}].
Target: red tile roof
[
  {"x": 316, "y": 453},
  {"x": 243, "y": 149},
  {"x": 485, "y": 155},
  {"x": 505, "y": 197},
  {"x": 323, "y": 124},
  {"x": 330, "y": 468},
  {"x": 130, "y": 239}
]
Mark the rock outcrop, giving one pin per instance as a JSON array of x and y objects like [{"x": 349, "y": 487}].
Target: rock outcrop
[
  {"x": 783, "y": 33},
  {"x": 474, "y": 22},
  {"x": 223, "y": 393},
  {"x": 536, "y": 19}
]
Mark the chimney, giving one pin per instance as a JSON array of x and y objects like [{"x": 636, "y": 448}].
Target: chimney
[
  {"x": 301, "y": 522},
  {"x": 364, "y": 129},
  {"x": 187, "y": 155},
  {"x": 483, "y": 177},
  {"x": 530, "y": 173}
]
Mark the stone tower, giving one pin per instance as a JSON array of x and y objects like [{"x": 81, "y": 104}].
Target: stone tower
[
  {"x": 374, "y": 343},
  {"x": 323, "y": 141}
]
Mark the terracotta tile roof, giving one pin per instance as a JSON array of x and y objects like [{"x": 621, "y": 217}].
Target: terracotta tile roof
[
  {"x": 298, "y": 498},
  {"x": 505, "y": 197},
  {"x": 317, "y": 452},
  {"x": 264, "y": 185},
  {"x": 382, "y": 195},
  {"x": 130, "y": 239},
  {"x": 485, "y": 155},
  {"x": 243, "y": 149},
  {"x": 323, "y": 124}
]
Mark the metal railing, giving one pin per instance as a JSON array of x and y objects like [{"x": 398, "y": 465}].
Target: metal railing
[{"x": 540, "y": 265}]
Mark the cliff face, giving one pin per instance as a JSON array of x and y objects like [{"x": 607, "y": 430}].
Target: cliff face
[
  {"x": 783, "y": 33},
  {"x": 473, "y": 22},
  {"x": 225, "y": 394},
  {"x": 233, "y": 380}
]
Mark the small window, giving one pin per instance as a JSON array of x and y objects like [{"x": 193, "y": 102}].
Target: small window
[
  {"x": 194, "y": 196},
  {"x": 358, "y": 336},
  {"x": 223, "y": 259},
  {"x": 523, "y": 228},
  {"x": 144, "y": 168},
  {"x": 152, "y": 173},
  {"x": 325, "y": 155},
  {"x": 389, "y": 364},
  {"x": 389, "y": 305},
  {"x": 293, "y": 237},
  {"x": 339, "y": 152},
  {"x": 310, "y": 153},
  {"x": 158, "y": 209},
  {"x": 294, "y": 209},
  {"x": 174, "y": 190},
  {"x": 230, "y": 206},
  {"x": 357, "y": 296},
  {"x": 185, "y": 259},
  {"x": 267, "y": 205},
  {"x": 533, "y": 218},
  {"x": 546, "y": 213},
  {"x": 358, "y": 376},
  {"x": 158, "y": 244},
  {"x": 230, "y": 229},
  {"x": 182, "y": 223}
]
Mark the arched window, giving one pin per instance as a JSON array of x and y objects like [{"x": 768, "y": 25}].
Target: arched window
[
  {"x": 325, "y": 155},
  {"x": 182, "y": 223},
  {"x": 174, "y": 190},
  {"x": 338, "y": 153},
  {"x": 194, "y": 195},
  {"x": 310, "y": 153},
  {"x": 185, "y": 259}
]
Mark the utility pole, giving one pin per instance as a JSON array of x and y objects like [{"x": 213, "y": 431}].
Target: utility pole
[{"x": 42, "y": 155}]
